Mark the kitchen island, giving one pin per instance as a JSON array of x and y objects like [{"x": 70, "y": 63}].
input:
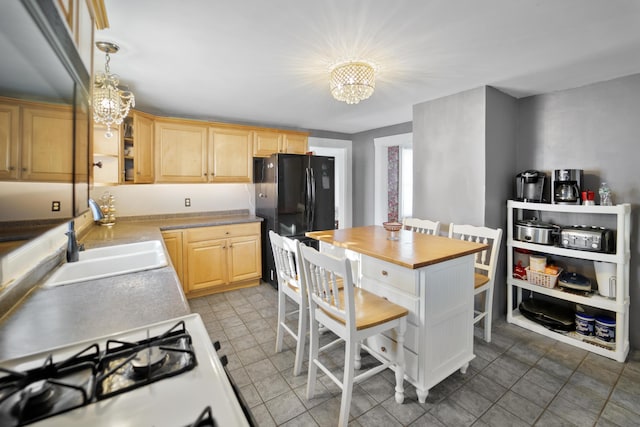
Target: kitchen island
[{"x": 432, "y": 277}]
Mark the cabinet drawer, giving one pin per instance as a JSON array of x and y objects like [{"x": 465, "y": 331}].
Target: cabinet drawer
[
  {"x": 407, "y": 301},
  {"x": 410, "y": 337},
  {"x": 222, "y": 231},
  {"x": 389, "y": 348},
  {"x": 392, "y": 275}
]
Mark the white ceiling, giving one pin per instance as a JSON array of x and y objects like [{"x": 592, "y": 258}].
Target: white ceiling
[{"x": 266, "y": 62}]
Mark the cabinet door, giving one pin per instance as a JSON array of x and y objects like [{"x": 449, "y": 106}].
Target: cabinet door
[
  {"x": 173, "y": 242},
  {"x": 9, "y": 140},
  {"x": 266, "y": 143},
  {"x": 231, "y": 159},
  {"x": 244, "y": 258},
  {"x": 206, "y": 264},
  {"x": 295, "y": 144},
  {"x": 143, "y": 149},
  {"x": 181, "y": 152},
  {"x": 47, "y": 144}
]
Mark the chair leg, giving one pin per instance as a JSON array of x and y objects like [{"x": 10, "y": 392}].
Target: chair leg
[
  {"x": 488, "y": 307},
  {"x": 302, "y": 334},
  {"x": 282, "y": 309},
  {"x": 347, "y": 381},
  {"x": 358, "y": 363},
  {"x": 401, "y": 329},
  {"x": 314, "y": 345}
]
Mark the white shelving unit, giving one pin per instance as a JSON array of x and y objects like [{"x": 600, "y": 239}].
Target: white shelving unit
[{"x": 617, "y": 307}]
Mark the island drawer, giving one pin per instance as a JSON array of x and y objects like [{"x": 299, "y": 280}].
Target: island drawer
[
  {"x": 410, "y": 336},
  {"x": 398, "y": 277},
  {"x": 389, "y": 348},
  {"x": 407, "y": 301}
]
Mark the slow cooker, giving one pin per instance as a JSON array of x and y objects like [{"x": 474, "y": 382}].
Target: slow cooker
[{"x": 534, "y": 231}]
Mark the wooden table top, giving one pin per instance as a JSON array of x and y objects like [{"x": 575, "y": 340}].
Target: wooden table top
[{"x": 412, "y": 250}]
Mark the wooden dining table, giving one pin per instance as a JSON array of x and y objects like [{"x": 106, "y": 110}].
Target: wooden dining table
[{"x": 431, "y": 276}]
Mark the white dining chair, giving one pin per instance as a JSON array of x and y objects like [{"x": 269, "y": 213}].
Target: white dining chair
[
  {"x": 291, "y": 286},
  {"x": 485, "y": 266},
  {"x": 353, "y": 314},
  {"x": 422, "y": 226}
]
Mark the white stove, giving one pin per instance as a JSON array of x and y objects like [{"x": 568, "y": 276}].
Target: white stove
[{"x": 163, "y": 374}]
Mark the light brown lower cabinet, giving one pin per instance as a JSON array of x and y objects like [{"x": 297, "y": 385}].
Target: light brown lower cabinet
[
  {"x": 173, "y": 243},
  {"x": 218, "y": 258}
]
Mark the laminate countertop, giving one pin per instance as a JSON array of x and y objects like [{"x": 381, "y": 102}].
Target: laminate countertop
[
  {"x": 411, "y": 250},
  {"x": 51, "y": 317}
]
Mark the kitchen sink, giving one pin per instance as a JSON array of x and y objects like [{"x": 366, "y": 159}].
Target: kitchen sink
[
  {"x": 110, "y": 261},
  {"x": 125, "y": 249}
]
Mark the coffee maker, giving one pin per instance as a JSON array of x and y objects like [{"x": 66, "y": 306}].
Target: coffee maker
[
  {"x": 530, "y": 186},
  {"x": 566, "y": 185}
]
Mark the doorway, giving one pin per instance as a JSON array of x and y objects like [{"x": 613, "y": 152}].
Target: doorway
[{"x": 393, "y": 184}]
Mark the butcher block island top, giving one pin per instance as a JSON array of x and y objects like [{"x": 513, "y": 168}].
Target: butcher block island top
[{"x": 411, "y": 250}]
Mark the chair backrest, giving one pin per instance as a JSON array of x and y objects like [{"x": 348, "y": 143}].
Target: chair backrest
[
  {"x": 286, "y": 257},
  {"x": 422, "y": 226},
  {"x": 324, "y": 274},
  {"x": 487, "y": 259}
]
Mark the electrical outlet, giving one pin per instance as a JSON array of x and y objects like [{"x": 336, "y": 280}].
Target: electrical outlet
[
  {"x": 187, "y": 202},
  {"x": 55, "y": 206}
]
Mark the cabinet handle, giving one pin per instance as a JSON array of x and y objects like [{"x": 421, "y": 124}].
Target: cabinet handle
[
  {"x": 11, "y": 168},
  {"x": 204, "y": 174},
  {"x": 383, "y": 349},
  {"x": 384, "y": 273},
  {"x": 226, "y": 232}
]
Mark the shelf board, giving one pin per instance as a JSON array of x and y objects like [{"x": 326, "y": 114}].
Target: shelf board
[
  {"x": 592, "y": 301},
  {"x": 549, "y": 207},
  {"x": 618, "y": 354},
  {"x": 572, "y": 253}
]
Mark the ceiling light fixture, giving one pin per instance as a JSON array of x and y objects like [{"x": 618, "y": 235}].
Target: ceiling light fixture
[
  {"x": 110, "y": 103},
  {"x": 352, "y": 81}
]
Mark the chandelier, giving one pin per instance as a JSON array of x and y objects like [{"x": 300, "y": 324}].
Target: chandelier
[
  {"x": 110, "y": 103},
  {"x": 352, "y": 81}
]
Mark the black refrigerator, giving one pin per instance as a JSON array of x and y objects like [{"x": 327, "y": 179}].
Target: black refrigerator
[{"x": 295, "y": 193}]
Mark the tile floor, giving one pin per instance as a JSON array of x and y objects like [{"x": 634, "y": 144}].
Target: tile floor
[{"x": 519, "y": 379}]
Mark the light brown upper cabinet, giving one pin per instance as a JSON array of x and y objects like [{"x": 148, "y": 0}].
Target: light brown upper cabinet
[
  {"x": 47, "y": 143},
  {"x": 181, "y": 151},
  {"x": 267, "y": 142},
  {"x": 140, "y": 138},
  {"x": 36, "y": 141},
  {"x": 9, "y": 140},
  {"x": 294, "y": 143},
  {"x": 230, "y": 159}
]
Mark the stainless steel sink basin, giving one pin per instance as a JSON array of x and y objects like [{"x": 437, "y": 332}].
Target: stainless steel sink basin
[{"x": 110, "y": 261}]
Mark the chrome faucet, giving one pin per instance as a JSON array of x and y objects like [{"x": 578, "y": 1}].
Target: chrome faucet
[
  {"x": 95, "y": 210},
  {"x": 73, "y": 248}
]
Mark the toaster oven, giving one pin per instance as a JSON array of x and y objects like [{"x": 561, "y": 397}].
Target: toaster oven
[{"x": 588, "y": 238}]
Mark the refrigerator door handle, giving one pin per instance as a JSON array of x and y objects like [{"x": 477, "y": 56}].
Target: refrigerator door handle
[
  {"x": 313, "y": 199},
  {"x": 307, "y": 201}
]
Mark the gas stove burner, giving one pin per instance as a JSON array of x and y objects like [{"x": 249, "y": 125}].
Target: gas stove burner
[
  {"x": 36, "y": 398},
  {"x": 205, "y": 419},
  {"x": 148, "y": 360},
  {"x": 129, "y": 365}
]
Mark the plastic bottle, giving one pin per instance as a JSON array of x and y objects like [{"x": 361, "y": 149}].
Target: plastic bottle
[{"x": 605, "y": 195}]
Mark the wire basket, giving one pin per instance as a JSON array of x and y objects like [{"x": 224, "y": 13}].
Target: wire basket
[{"x": 542, "y": 279}]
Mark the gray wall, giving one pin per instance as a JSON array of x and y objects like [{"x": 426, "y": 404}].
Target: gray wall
[
  {"x": 595, "y": 128},
  {"x": 363, "y": 170},
  {"x": 464, "y": 161}
]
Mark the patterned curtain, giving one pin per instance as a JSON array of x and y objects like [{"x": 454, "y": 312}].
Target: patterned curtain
[{"x": 393, "y": 179}]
